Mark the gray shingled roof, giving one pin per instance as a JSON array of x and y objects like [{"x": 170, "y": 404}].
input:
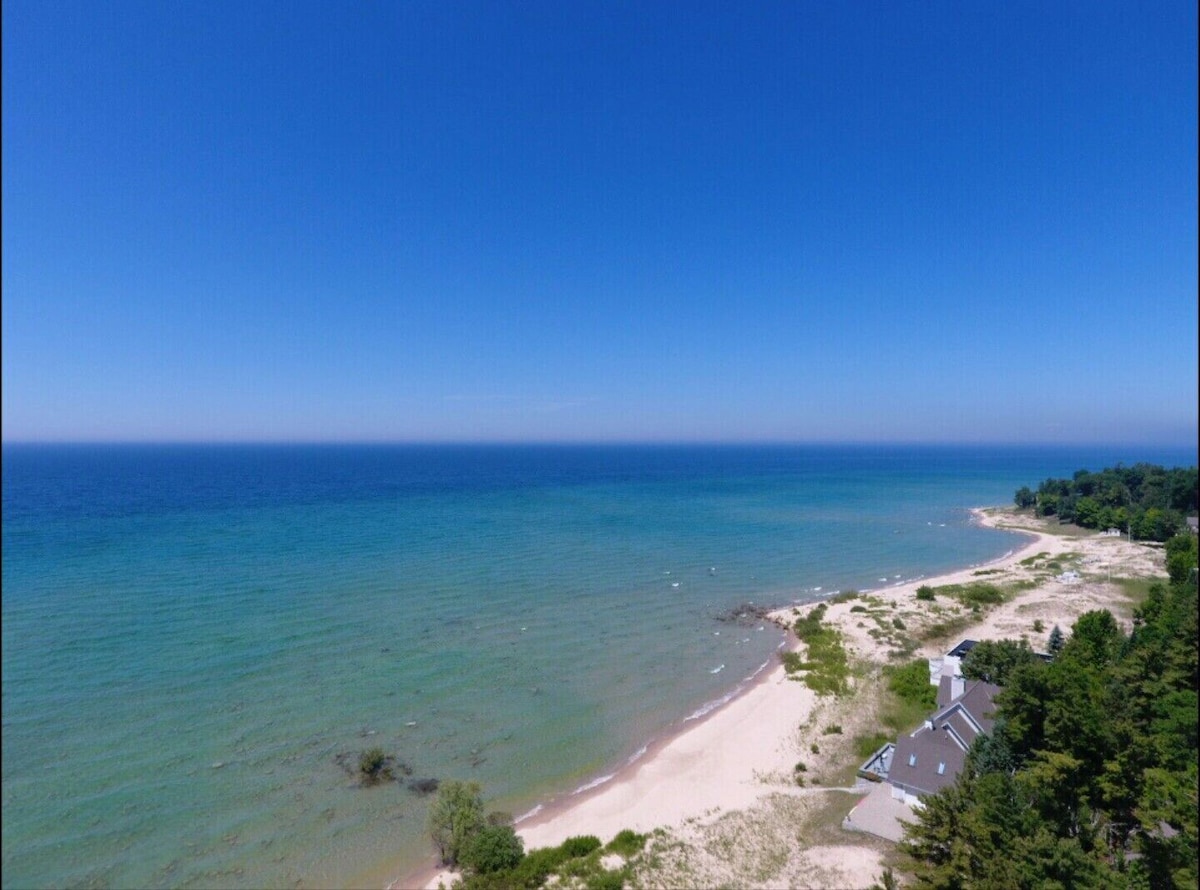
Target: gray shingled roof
[{"x": 930, "y": 758}]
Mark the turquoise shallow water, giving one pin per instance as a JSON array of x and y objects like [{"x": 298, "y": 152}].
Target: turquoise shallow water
[{"x": 192, "y": 636}]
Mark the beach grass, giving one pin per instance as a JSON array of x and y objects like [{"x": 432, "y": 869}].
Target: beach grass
[
  {"x": 825, "y": 669},
  {"x": 1136, "y": 589}
]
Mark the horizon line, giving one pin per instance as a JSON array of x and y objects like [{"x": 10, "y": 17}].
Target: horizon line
[{"x": 848, "y": 442}]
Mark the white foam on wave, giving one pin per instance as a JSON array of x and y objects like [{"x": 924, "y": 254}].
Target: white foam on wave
[
  {"x": 530, "y": 814},
  {"x": 709, "y": 707},
  {"x": 717, "y": 670},
  {"x": 758, "y": 670},
  {"x": 595, "y": 783},
  {"x": 637, "y": 755}
]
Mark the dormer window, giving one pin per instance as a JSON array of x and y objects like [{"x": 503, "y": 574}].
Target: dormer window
[
  {"x": 941, "y": 769},
  {"x": 912, "y": 759}
]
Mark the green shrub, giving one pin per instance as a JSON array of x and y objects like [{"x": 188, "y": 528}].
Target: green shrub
[
  {"x": 810, "y": 624},
  {"x": 371, "y": 761},
  {"x": 801, "y": 767},
  {"x": 981, "y": 594},
  {"x": 925, "y": 592},
  {"x": 898, "y": 624},
  {"x": 606, "y": 880},
  {"x": 827, "y": 668},
  {"x": 497, "y": 880},
  {"x": 911, "y": 683},
  {"x": 492, "y": 848},
  {"x": 947, "y": 627},
  {"x": 580, "y": 845},
  {"x": 858, "y": 608},
  {"x": 1038, "y": 626},
  {"x": 814, "y": 748},
  {"x": 454, "y": 818},
  {"x": 537, "y": 865},
  {"x": 792, "y": 662},
  {"x": 627, "y": 843},
  {"x": 833, "y": 729},
  {"x": 377, "y": 767}
]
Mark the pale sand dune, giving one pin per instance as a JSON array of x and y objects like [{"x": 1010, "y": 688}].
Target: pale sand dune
[{"x": 742, "y": 754}]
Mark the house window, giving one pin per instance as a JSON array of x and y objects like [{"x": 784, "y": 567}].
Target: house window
[
  {"x": 912, "y": 759},
  {"x": 941, "y": 769}
]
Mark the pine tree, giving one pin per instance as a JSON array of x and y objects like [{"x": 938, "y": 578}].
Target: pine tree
[{"x": 1056, "y": 640}]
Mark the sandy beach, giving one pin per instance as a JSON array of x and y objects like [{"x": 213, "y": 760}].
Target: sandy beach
[{"x": 731, "y": 774}]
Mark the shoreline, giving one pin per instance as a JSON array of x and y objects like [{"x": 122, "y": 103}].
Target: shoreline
[
  {"x": 547, "y": 812},
  {"x": 743, "y": 750}
]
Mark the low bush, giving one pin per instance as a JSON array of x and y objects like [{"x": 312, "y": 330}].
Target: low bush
[
  {"x": 947, "y": 627},
  {"x": 627, "y": 843},
  {"x": 580, "y": 845},
  {"x": 911, "y": 683},
  {"x": 606, "y": 880},
  {"x": 792, "y": 662},
  {"x": 980, "y": 594},
  {"x": 833, "y": 729},
  {"x": 537, "y": 865},
  {"x": 374, "y": 766},
  {"x": 925, "y": 592},
  {"x": 827, "y": 667},
  {"x": 491, "y": 849}
]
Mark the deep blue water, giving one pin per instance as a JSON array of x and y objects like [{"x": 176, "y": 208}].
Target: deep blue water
[{"x": 192, "y": 634}]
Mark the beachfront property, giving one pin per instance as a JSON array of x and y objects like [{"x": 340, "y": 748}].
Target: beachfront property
[
  {"x": 950, "y": 664},
  {"x": 930, "y": 757}
]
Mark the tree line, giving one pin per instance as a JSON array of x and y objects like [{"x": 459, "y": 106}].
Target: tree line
[
  {"x": 1146, "y": 500},
  {"x": 1089, "y": 778}
]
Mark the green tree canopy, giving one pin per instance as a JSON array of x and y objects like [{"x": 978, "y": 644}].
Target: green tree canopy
[
  {"x": 455, "y": 817},
  {"x": 1092, "y": 758},
  {"x": 995, "y": 660}
]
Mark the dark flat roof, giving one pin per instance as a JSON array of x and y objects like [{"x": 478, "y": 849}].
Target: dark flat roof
[{"x": 962, "y": 648}]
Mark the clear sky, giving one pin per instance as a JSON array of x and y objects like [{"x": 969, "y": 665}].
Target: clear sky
[{"x": 600, "y": 221}]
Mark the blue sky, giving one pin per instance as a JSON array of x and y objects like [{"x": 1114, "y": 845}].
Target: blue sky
[{"x": 807, "y": 221}]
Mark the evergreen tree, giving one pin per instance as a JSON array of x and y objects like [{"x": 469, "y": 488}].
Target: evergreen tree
[{"x": 1055, "y": 643}]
